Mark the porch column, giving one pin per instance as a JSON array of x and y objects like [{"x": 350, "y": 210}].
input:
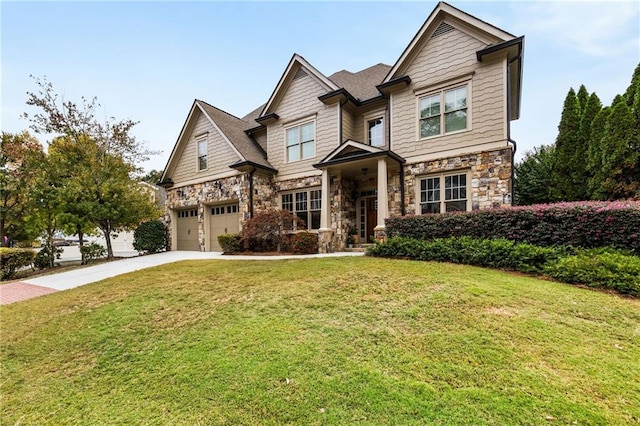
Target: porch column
[
  {"x": 325, "y": 232},
  {"x": 383, "y": 199}
]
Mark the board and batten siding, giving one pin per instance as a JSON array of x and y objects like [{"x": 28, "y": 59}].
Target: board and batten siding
[
  {"x": 219, "y": 154},
  {"x": 443, "y": 58},
  {"x": 300, "y": 101}
]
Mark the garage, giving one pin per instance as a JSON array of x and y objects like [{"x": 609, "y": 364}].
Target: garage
[
  {"x": 224, "y": 220},
  {"x": 187, "y": 230}
]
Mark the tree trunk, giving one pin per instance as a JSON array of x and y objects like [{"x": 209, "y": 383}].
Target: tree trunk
[{"x": 106, "y": 230}]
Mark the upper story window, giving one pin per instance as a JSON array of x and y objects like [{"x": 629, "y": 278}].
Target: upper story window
[
  {"x": 376, "y": 131},
  {"x": 202, "y": 154},
  {"x": 443, "y": 193},
  {"x": 436, "y": 120},
  {"x": 306, "y": 205},
  {"x": 301, "y": 142}
]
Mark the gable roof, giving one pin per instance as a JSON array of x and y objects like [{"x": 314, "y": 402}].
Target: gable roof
[
  {"x": 352, "y": 150},
  {"x": 231, "y": 128},
  {"x": 294, "y": 65},
  {"x": 361, "y": 84},
  {"x": 487, "y": 33}
]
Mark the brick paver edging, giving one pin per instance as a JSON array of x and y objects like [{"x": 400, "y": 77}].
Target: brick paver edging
[{"x": 18, "y": 291}]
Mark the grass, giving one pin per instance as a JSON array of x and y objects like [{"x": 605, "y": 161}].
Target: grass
[{"x": 321, "y": 341}]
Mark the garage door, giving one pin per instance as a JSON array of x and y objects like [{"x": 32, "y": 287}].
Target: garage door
[
  {"x": 224, "y": 220},
  {"x": 187, "y": 230}
]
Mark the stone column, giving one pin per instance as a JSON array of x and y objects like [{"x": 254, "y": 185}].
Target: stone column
[
  {"x": 325, "y": 232},
  {"x": 383, "y": 199}
]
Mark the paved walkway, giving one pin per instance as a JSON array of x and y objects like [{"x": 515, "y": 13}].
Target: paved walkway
[{"x": 34, "y": 287}]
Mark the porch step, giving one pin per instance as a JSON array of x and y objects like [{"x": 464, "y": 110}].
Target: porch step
[{"x": 358, "y": 248}]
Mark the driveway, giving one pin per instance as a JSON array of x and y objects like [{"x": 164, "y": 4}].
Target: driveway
[{"x": 34, "y": 287}]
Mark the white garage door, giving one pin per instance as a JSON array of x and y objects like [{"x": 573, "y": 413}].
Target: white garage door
[
  {"x": 224, "y": 220},
  {"x": 187, "y": 230}
]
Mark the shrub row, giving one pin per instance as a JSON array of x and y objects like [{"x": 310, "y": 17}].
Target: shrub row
[
  {"x": 599, "y": 268},
  {"x": 496, "y": 253},
  {"x": 12, "y": 259},
  {"x": 298, "y": 243},
  {"x": 581, "y": 224}
]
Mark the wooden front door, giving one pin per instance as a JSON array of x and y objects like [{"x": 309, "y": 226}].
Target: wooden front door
[{"x": 372, "y": 217}]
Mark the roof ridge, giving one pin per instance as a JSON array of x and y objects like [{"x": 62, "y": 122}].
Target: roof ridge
[{"x": 218, "y": 109}]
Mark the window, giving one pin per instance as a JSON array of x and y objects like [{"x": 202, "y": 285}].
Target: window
[
  {"x": 434, "y": 119},
  {"x": 300, "y": 142},
  {"x": 455, "y": 193},
  {"x": 187, "y": 213},
  {"x": 202, "y": 154},
  {"x": 376, "y": 132},
  {"x": 306, "y": 205}
]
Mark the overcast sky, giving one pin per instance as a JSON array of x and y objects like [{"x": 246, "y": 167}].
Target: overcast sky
[{"x": 147, "y": 61}]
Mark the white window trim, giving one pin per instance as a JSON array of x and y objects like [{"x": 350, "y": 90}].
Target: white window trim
[
  {"x": 308, "y": 190},
  {"x": 419, "y": 178},
  {"x": 375, "y": 115},
  {"x": 441, "y": 90},
  {"x": 200, "y": 139},
  {"x": 300, "y": 123}
]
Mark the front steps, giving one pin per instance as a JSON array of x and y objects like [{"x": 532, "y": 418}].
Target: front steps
[{"x": 357, "y": 248}]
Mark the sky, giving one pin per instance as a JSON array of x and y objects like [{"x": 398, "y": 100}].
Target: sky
[{"x": 148, "y": 60}]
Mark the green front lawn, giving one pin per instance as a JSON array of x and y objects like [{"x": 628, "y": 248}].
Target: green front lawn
[{"x": 321, "y": 341}]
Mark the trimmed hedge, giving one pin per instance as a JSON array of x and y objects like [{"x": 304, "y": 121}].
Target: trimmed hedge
[
  {"x": 230, "y": 243},
  {"x": 581, "y": 224},
  {"x": 496, "y": 253},
  {"x": 12, "y": 259},
  {"x": 304, "y": 243},
  {"x": 150, "y": 237}
]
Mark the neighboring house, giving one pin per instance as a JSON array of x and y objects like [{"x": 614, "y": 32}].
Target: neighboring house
[{"x": 429, "y": 134}]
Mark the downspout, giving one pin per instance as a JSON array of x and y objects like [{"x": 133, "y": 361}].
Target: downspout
[
  {"x": 251, "y": 192},
  {"x": 340, "y": 105},
  {"x": 509, "y": 140}
]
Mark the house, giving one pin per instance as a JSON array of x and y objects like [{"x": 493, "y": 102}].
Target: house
[{"x": 428, "y": 134}]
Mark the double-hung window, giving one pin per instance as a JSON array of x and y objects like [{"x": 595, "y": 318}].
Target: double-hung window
[
  {"x": 301, "y": 142},
  {"x": 306, "y": 205},
  {"x": 443, "y": 193},
  {"x": 375, "y": 128},
  {"x": 443, "y": 112},
  {"x": 202, "y": 154}
]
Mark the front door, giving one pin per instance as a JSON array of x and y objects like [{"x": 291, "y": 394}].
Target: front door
[{"x": 372, "y": 217}]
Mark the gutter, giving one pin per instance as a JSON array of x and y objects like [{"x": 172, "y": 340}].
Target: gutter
[{"x": 509, "y": 139}]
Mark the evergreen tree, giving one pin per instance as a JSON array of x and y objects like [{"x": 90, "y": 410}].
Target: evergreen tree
[
  {"x": 583, "y": 99},
  {"x": 595, "y": 154},
  {"x": 633, "y": 88},
  {"x": 580, "y": 169},
  {"x": 566, "y": 147},
  {"x": 534, "y": 177}
]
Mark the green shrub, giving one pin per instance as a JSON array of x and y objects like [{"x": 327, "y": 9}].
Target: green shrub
[
  {"x": 600, "y": 269},
  {"x": 91, "y": 252},
  {"x": 580, "y": 224},
  {"x": 12, "y": 259},
  {"x": 150, "y": 237},
  {"x": 46, "y": 257},
  {"x": 230, "y": 243},
  {"x": 304, "y": 243},
  {"x": 496, "y": 253}
]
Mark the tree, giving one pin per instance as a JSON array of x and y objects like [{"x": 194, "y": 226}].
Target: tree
[
  {"x": 96, "y": 162},
  {"x": 583, "y": 98},
  {"x": 595, "y": 154},
  {"x": 581, "y": 173},
  {"x": 20, "y": 156},
  {"x": 535, "y": 181},
  {"x": 152, "y": 176},
  {"x": 567, "y": 144}
]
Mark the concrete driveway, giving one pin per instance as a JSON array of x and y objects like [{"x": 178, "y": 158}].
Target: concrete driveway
[{"x": 34, "y": 287}]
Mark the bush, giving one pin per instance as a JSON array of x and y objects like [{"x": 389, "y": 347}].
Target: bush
[
  {"x": 46, "y": 257},
  {"x": 12, "y": 259},
  {"x": 600, "y": 269},
  {"x": 150, "y": 237},
  {"x": 230, "y": 243},
  {"x": 268, "y": 230},
  {"x": 304, "y": 243},
  {"x": 581, "y": 224},
  {"x": 496, "y": 253},
  {"x": 91, "y": 252}
]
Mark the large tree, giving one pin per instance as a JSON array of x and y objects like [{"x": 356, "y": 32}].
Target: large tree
[
  {"x": 20, "y": 157},
  {"x": 567, "y": 144},
  {"x": 96, "y": 161}
]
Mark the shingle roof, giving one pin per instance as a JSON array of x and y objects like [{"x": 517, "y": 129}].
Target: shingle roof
[
  {"x": 361, "y": 84},
  {"x": 233, "y": 128}
]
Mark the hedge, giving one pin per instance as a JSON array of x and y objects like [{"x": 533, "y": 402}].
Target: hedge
[
  {"x": 150, "y": 237},
  {"x": 230, "y": 243},
  {"x": 12, "y": 259},
  {"x": 580, "y": 224}
]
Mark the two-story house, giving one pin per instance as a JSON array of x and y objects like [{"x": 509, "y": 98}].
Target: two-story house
[{"x": 429, "y": 134}]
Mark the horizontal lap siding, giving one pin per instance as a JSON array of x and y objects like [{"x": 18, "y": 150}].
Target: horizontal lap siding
[
  {"x": 219, "y": 154},
  {"x": 449, "y": 56},
  {"x": 358, "y": 129},
  {"x": 301, "y": 100},
  {"x": 347, "y": 125}
]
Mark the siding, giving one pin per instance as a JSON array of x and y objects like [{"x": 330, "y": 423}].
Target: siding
[
  {"x": 219, "y": 154},
  {"x": 299, "y": 101},
  {"x": 358, "y": 129},
  {"x": 347, "y": 125},
  {"x": 449, "y": 56}
]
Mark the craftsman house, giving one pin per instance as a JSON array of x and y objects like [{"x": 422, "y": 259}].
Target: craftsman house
[{"x": 429, "y": 134}]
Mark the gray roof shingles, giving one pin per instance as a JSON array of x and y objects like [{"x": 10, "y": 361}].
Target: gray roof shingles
[{"x": 361, "y": 84}]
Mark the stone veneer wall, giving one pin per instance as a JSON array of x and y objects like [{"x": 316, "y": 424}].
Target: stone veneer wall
[{"x": 489, "y": 174}]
